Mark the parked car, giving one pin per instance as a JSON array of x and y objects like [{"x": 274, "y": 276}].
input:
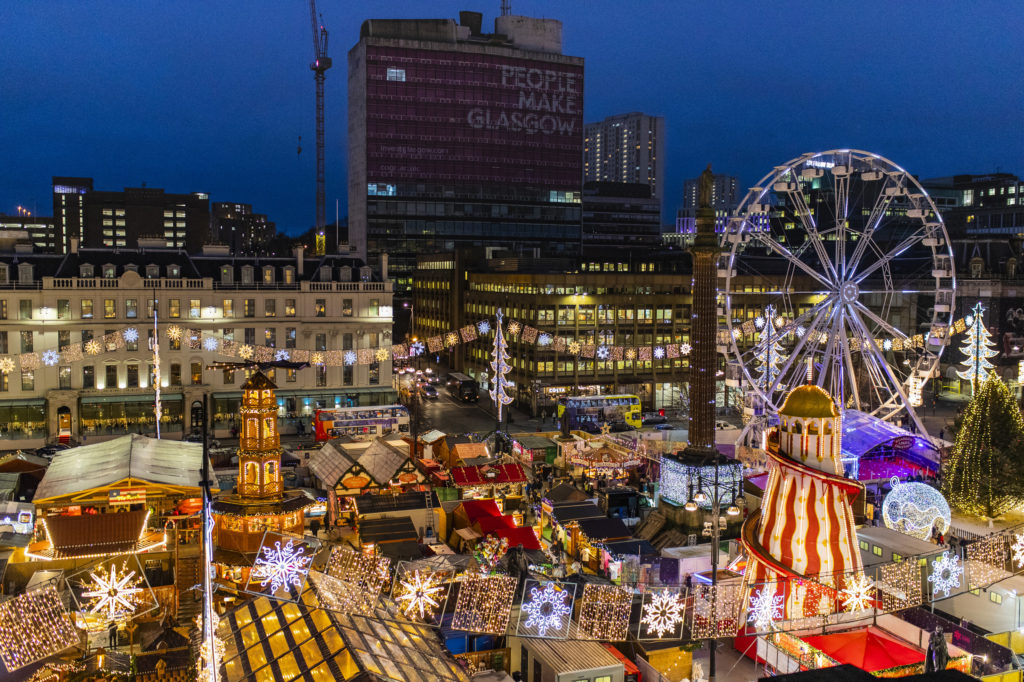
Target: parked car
[
  {"x": 664, "y": 427},
  {"x": 429, "y": 392},
  {"x": 655, "y": 419},
  {"x": 620, "y": 427}
]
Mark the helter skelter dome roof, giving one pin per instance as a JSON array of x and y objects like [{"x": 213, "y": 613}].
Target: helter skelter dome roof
[{"x": 809, "y": 402}]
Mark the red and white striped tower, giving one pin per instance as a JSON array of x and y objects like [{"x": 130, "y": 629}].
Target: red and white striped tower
[{"x": 803, "y": 536}]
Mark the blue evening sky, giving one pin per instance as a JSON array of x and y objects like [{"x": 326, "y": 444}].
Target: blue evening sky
[{"x": 201, "y": 95}]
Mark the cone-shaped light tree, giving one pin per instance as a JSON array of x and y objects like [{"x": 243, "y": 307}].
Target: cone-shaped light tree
[
  {"x": 500, "y": 367},
  {"x": 978, "y": 348},
  {"x": 985, "y": 470},
  {"x": 768, "y": 352}
]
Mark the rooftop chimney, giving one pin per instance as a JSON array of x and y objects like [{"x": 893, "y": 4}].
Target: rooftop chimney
[
  {"x": 383, "y": 267},
  {"x": 74, "y": 245},
  {"x": 300, "y": 259}
]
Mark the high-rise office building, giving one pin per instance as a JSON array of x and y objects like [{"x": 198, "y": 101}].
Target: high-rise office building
[
  {"x": 626, "y": 148},
  {"x": 723, "y": 195},
  {"x": 991, "y": 204},
  {"x": 118, "y": 219},
  {"x": 459, "y": 138},
  {"x": 619, "y": 214},
  {"x": 41, "y": 232},
  {"x": 247, "y": 233}
]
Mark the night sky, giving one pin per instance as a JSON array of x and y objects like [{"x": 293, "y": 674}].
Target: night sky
[{"x": 212, "y": 96}]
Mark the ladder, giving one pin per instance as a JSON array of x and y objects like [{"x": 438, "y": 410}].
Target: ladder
[{"x": 431, "y": 529}]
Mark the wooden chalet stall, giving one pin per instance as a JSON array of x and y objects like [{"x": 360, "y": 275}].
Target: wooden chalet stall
[{"x": 501, "y": 481}]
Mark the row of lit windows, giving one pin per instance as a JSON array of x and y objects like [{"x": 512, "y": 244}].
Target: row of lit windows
[{"x": 193, "y": 307}]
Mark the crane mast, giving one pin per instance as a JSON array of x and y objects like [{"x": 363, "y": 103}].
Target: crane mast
[{"x": 321, "y": 62}]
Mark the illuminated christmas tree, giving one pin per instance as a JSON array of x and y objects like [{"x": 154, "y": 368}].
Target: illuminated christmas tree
[
  {"x": 978, "y": 348},
  {"x": 768, "y": 351},
  {"x": 985, "y": 471},
  {"x": 500, "y": 367}
]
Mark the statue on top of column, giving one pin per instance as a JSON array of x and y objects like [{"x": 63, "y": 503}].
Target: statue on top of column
[{"x": 707, "y": 179}]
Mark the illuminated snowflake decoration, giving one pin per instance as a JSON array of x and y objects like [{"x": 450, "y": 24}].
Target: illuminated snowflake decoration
[
  {"x": 282, "y": 355},
  {"x": 112, "y": 595},
  {"x": 685, "y": 349},
  {"x": 858, "y": 593},
  {"x": 93, "y": 347},
  {"x": 514, "y": 328},
  {"x": 801, "y": 330},
  {"x": 765, "y": 609},
  {"x": 51, "y": 358},
  {"x": 547, "y": 608},
  {"x": 659, "y": 352},
  {"x": 544, "y": 340},
  {"x": 383, "y": 354},
  {"x": 602, "y": 352},
  {"x": 419, "y": 593},
  {"x": 946, "y": 573},
  {"x": 1018, "y": 549},
  {"x": 174, "y": 333},
  {"x": 969, "y": 320},
  {"x": 483, "y": 327},
  {"x": 887, "y": 344},
  {"x": 131, "y": 334},
  {"x": 245, "y": 352},
  {"x": 281, "y": 566},
  {"x": 7, "y": 365},
  {"x": 350, "y": 357},
  {"x": 210, "y": 344},
  {"x": 759, "y": 322},
  {"x": 416, "y": 348},
  {"x": 663, "y": 613}
]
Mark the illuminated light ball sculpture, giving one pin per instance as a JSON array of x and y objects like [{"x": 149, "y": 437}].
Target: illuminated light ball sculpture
[{"x": 915, "y": 509}]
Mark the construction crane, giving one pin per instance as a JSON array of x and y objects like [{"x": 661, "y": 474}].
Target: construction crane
[{"x": 321, "y": 62}]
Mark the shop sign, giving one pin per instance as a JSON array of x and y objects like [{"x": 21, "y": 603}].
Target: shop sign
[
  {"x": 119, "y": 496},
  {"x": 903, "y": 443}
]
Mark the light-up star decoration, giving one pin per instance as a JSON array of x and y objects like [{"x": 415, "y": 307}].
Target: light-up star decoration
[
  {"x": 416, "y": 348},
  {"x": 113, "y": 595},
  {"x": 483, "y": 327},
  {"x": 282, "y": 355},
  {"x": 659, "y": 352},
  {"x": 915, "y": 509},
  {"x": 131, "y": 334},
  {"x": 602, "y": 352},
  {"x": 350, "y": 357},
  {"x": 663, "y": 613},
  {"x": 210, "y": 344},
  {"x": 1018, "y": 549},
  {"x": 857, "y": 595},
  {"x": 419, "y": 593},
  {"x": 765, "y": 609},
  {"x": 51, "y": 358},
  {"x": 281, "y": 566},
  {"x": 946, "y": 573},
  {"x": 685, "y": 348},
  {"x": 548, "y": 607}
]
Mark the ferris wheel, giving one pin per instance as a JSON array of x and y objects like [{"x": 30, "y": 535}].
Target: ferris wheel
[{"x": 837, "y": 269}]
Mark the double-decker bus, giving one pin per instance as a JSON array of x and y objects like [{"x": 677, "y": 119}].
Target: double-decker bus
[
  {"x": 463, "y": 387},
  {"x": 588, "y": 413},
  {"x": 367, "y": 422}
]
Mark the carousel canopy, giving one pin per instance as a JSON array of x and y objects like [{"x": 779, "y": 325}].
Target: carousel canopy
[
  {"x": 869, "y": 649},
  {"x": 138, "y": 458}
]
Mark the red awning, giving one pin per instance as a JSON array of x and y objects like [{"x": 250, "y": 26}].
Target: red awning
[
  {"x": 869, "y": 649},
  {"x": 492, "y": 523},
  {"x": 465, "y": 477},
  {"x": 519, "y": 536},
  {"x": 480, "y": 509}
]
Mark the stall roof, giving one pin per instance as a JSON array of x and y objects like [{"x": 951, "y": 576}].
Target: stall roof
[
  {"x": 387, "y": 530},
  {"x": 563, "y": 512},
  {"x": 531, "y": 442},
  {"x": 432, "y": 436},
  {"x": 167, "y": 462},
  {"x": 862, "y": 433},
  {"x": 489, "y": 524},
  {"x": 488, "y": 475},
  {"x": 572, "y": 656},
  {"x": 376, "y": 504},
  {"x": 8, "y": 485},
  {"x": 563, "y": 492},
  {"x": 631, "y": 547},
  {"x": 604, "y": 528},
  {"x": 381, "y": 459},
  {"x": 519, "y": 536},
  {"x": 478, "y": 509}
]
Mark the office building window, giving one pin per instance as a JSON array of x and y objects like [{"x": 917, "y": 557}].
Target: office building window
[
  {"x": 269, "y": 307},
  {"x": 63, "y": 309},
  {"x": 229, "y": 376},
  {"x": 174, "y": 308},
  {"x": 374, "y": 307},
  {"x": 250, "y": 336},
  {"x": 346, "y": 375},
  {"x": 3, "y": 309},
  {"x": 346, "y": 307},
  {"x": 132, "y": 345},
  {"x": 175, "y": 375},
  {"x": 111, "y": 376},
  {"x": 320, "y": 342},
  {"x": 174, "y": 344},
  {"x": 321, "y": 376},
  {"x": 86, "y": 336},
  {"x": 228, "y": 308},
  {"x": 64, "y": 377},
  {"x": 249, "y": 307},
  {"x": 374, "y": 373},
  {"x": 3, "y": 342},
  {"x": 270, "y": 337},
  {"x": 109, "y": 309},
  {"x": 28, "y": 380},
  {"x": 289, "y": 337},
  {"x": 131, "y": 308},
  {"x": 320, "y": 309},
  {"x": 194, "y": 308},
  {"x": 86, "y": 308},
  {"x": 24, "y": 309},
  {"x": 109, "y": 340},
  {"x": 4, "y": 382},
  {"x": 132, "y": 376},
  {"x": 290, "y": 375},
  {"x": 289, "y": 307},
  {"x": 27, "y": 342},
  {"x": 397, "y": 75},
  {"x": 228, "y": 333},
  {"x": 197, "y": 373},
  {"x": 150, "y": 307},
  {"x": 89, "y": 377},
  {"x": 346, "y": 342}
]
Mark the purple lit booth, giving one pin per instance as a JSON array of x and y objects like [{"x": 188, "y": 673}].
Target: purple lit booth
[{"x": 875, "y": 450}]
